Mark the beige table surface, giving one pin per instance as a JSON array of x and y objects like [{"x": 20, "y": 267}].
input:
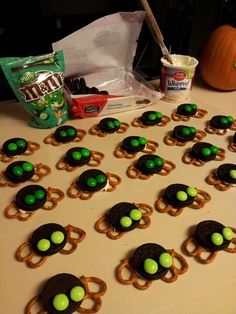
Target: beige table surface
[{"x": 209, "y": 289}]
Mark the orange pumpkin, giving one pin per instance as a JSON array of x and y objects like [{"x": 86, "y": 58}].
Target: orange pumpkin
[{"x": 218, "y": 59}]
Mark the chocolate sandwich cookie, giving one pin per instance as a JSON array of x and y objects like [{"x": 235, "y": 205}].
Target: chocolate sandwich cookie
[
  {"x": 221, "y": 122},
  {"x": 19, "y": 171},
  {"x": 48, "y": 239},
  {"x": 31, "y": 197},
  {"x": 92, "y": 180},
  {"x": 187, "y": 109},
  {"x": 124, "y": 216},
  {"x": 151, "y": 261},
  {"x": 204, "y": 151},
  {"x": 78, "y": 156},
  {"x": 65, "y": 134},
  {"x": 179, "y": 195},
  {"x": 212, "y": 235},
  {"x": 109, "y": 125},
  {"x": 63, "y": 293},
  {"x": 151, "y": 117},
  {"x": 149, "y": 164},
  {"x": 184, "y": 133},
  {"x": 15, "y": 146},
  {"x": 133, "y": 144},
  {"x": 227, "y": 173}
]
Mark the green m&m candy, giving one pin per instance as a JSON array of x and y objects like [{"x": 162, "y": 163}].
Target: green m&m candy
[
  {"x": 100, "y": 178},
  {"x": 71, "y": 132},
  {"x": 20, "y": 143},
  {"x": 17, "y": 171},
  {"x": 29, "y": 199},
  {"x": 134, "y": 143},
  {"x": 135, "y": 214},
  {"x": 142, "y": 140},
  {"x": 60, "y": 302},
  {"x": 110, "y": 125},
  {"x": 77, "y": 293},
  {"x": 191, "y": 191},
  {"x": 206, "y": 151},
  {"x": 63, "y": 133},
  {"x": 125, "y": 221},
  {"x": 76, "y": 155},
  {"x": 39, "y": 194},
  {"x": 165, "y": 260},
  {"x": 27, "y": 166},
  {"x": 57, "y": 237},
  {"x": 43, "y": 245},
  {"x": 185, "y": 131},
  {"x": 217, "y": 238},
  {"x": 150, "y": 164},
  {"x": 152, "y": 117},
  {"x": 181, "y": 196},
  {"x": 91, "y": 182},
  {"x": 150, "y": 266},
  {"x": 232, "y": 173},
  {"x": 85, "y": 152},
  {"x": 159, "y": 161},
  {"x": 12, "y": 146},
  {"x": 227, "y": 233},
  {"x": 214, "y": 150},
  {"x": 159, "y": 115}
]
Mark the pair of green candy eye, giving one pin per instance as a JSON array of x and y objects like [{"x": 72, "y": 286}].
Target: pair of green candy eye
[
  {"x": 211, "y": 150},
  {"x": 69, "y": 132},
  {"x": 18, "y": 144},
  {"x": 154, "y": 116},
  {"x": 158, "y": 162},
  {"x": 190, "y": 107},
  {"x": 218, "y": 238},
  {"x": 92, "y": 182},
  {"x": 137, "y": 142},
  {"x": 188, "y": 131},
  {"x": 57, "y": 237},
  {"x": 18, "y": 171},
  {"x": 134, "y": 214},
  {"x": 226, "y": 120},
  {"x": 77, "y": 155},
  {"x": 61, "y": 301},
  {"x": 30, "y": 199},
  {"x": 113, "y": 124},
  {"x": 151, "y": 266},
  {"x": 182, "y": 195}
]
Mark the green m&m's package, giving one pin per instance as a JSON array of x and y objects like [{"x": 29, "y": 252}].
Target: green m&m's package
[{"x": 38, "y": 83}]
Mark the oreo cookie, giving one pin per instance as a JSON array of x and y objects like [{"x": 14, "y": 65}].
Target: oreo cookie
[
  {"x": 48, "y": 239},
  {"x": 65, "y": 134},
  {"x": 92, "y": 180},
  {"x": 227, "y": 173},
  {"x": 149, "y": 164},
  {"x": 177, "y": 195},
  {"x": 60, "y": 288},
  {"x": 203, "y": 235},
  {"x": 15, "y": 146},
  {"x": 19, "y": 171},
  {"x": 183, "y": 133},
  {"x": 151, "y": 118},
  {"x": 133, "y": 144},
  {"x": 221, "y": 122},
  {"x": 31, "y": 197},
  {"x": 127, "y": 212},
  {"x": 109, "y": 125},
  {"x": 78, "y": 156},
  {"x": 204, "y": 151},
  {"x": 187, "y": 109},
  {"x": 152, "y": 252}
]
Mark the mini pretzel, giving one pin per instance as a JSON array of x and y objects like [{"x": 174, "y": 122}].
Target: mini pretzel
[
  {"x": 138, "y": 123},
  {"x": 199, "y": 115},
  {"x": 200, "y": 199},
  {"x": 142, "y": 284},
  {"x": 134, "y": 173},
  {"x": 232, "y": 147},
  {"x": 40, "y": 171},
  {"x": 95, "y": 130},
  {"x": 33, "y": 260},
  {"x": 150, "y": 147},
  {"x": 51, "y": 140},
  {"x": 203, "y": 255},
  {"x": 102, "y": 225},
  {"x": 32, "y": 147},
  {"x": 190, "y": 160},
  {"x": 94, "y": 297},
  {"x": 211, "y": 130},
  {"x": 95, "y": 161},
  {"x": 171, "y": 141},
  {"x": 212, "y": 179},
  {"x": 75, "y": 192},
  {"x": 53, "y": 197}
]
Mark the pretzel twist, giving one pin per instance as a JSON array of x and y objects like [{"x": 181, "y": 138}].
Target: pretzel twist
[
  {"x": 32, "y": 147},
  {"x": 209, "y": 129},
  {"x": 113, "y": 181},
  {"x": 200, "y": 199},
  {"x": 121, "y": 153},
  {"x": 96, "y": 158},
  {"x": 171, "y": 141},
  {"x": 4, "y": 181},
  {"x": 163, "y": 207},
  {"x": 219, "y": 184},
  {"x": 72, "y": 240},
  {"x": 232, "y": 247},
  {"x": 52, "y": 201},
  {"x": 41, "y": 171},
  {"x": 17, "y": 213},
  {"x": 200, "y": 113},
  {"x": 178, "y": 117},
  {"x": 29, "y": 307},
  {"x": 29, "y": 258},
  {"x": 199, "y": 136},
  {"x": 190, "y": 160},
  {"x": 150, "y": 147},
  {"x": 232, "y": 147},
  {"x": 74, "y": 192}
]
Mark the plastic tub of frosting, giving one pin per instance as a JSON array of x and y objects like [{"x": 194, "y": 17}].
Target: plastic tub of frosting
[{"x": 176, "y": 79}]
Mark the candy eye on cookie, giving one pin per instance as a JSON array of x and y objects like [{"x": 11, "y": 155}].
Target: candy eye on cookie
[
  {"x": 148, "y": 165},
  {"x": 220, "y": 124},
  {"x": 131, "y": 145},
  {"x": 186, "y": 111},
  {"x": 124, "y": 217},
  {"x": 183, "y": 134},
  {"x": 149, "y": 262},
  {"x": 108, "y": 126},
  {"x": 223, "y": 178},
  {"x": 65, "y": 134},
  {"x": 203, "y": 152},
  {"x": 91, "y": 181},
  {"x": 31, "y": 198},
  {"x": 48, "y": 240},
  {"x": 65, "y": 293},
  {"x": 77, "y": 157},
  {"x": 17, "y": 147},
  {"x": 210, "y": 237},
  {"x": 178, "y": 196},
  {"x": 150, "y": 118}
]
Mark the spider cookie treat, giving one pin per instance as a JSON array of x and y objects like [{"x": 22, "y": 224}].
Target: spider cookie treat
[
  {"x": 91, "y": 181},
  {"x": 220, "y": 125},
  {"x": 31, "y": 198},
  {"x": 15, "y": 147},
  {"x": 149, "y": 262},
  {"x": 65, "y": 293},
  {"x": 210, "y": 237},
  {"x": 77, "y": 157},
  {"x": 148, "y": 165},
  {"x": 48, "y": 240},
  {"x": 186, "y": 111},
  {"x": 65, "y": 134},
  {"x": 131, "y": 145},
  {"x": 224, "y": 177},
  {"x": 22, "y": 171},
  {"x": 124, "y": 217},
  {"x": 203, "y": 152},
  {"x": 150, "y": 118},
  {"x": 183, "y": 134},
  {"x": 108, "y": 126},
  {"x": 232, "y": 144},
  {"x": 178, "y": 196}
]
